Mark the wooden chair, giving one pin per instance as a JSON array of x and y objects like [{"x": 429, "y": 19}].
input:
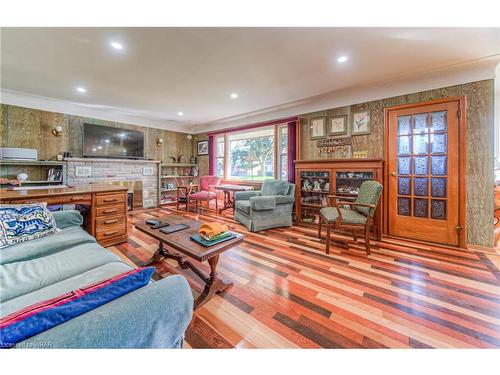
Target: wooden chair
[{"x": 358, "y": 217}]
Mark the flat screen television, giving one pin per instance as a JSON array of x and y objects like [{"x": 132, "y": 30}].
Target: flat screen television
[{"x": 107, "y": 142}]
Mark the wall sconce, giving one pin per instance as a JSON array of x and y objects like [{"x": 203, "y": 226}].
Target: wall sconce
[
  {"x": 189, "y": 136},
  {"x": 159, "y": 141},
  {"x": 57, "y": 131}
]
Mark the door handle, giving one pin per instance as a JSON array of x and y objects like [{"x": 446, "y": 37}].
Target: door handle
[{"x": 393, "y": 174}]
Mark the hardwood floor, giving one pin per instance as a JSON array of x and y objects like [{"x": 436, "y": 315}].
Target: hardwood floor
[{"x": 287, "y": 293}]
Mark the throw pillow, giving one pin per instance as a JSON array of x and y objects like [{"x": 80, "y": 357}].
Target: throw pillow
[{"x": 25, "y": 222}]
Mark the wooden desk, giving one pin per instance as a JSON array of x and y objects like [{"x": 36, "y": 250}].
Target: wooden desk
[{"x": 107, "y": 219}]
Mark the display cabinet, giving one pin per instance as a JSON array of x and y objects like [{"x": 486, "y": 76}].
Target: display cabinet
[{"x": 316, "y": 179}]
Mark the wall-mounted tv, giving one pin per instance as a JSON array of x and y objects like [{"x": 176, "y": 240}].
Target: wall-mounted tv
[{"x": 107, "y": 142}]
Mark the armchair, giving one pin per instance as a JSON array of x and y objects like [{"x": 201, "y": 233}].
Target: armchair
[
  {"x": 358, "y": 217},
  {"x": 269, "y": 208}
]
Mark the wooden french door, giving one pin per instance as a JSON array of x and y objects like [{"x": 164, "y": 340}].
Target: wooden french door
[{"x": 426, "y": 171}]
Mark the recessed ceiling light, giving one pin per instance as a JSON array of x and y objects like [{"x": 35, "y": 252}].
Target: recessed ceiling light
[
  {"x": 234, "y": 95},
  {"x": 180, "y": 113},
  {"x": 81, "y": 89},
  {"x": 116, "y": 45},
  {"x": 342, "y": 59}
]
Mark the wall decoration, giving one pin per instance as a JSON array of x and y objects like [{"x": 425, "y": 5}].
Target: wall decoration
[
  {"x": 337, "y": 125},
  {"x": 317, "y": 128},
  {"x": 147, "y": 171},
  {"x": 360, "y": 123},
  {"x": 202, "y": 148},
  {"x": 335, "y": 147},
  {"x": 83, "y": 171}
]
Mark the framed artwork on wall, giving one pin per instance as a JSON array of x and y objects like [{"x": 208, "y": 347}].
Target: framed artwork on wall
[
  {"x": 337, "y": 125},
  {"x": 202, "y": 148},
  {"x": 317, "y": 128},
  {"x": 360, "y": 123}
]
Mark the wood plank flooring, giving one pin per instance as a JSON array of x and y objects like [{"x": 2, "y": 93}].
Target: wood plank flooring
[{"x": 288, "y": 294}]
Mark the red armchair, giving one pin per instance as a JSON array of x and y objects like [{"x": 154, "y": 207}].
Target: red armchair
[{"x": 207, "y": 191}]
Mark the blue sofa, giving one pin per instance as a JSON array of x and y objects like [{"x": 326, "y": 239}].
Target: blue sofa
[
  {"x": 154, "y": 316},
  {"x": 271, "y": 207}
]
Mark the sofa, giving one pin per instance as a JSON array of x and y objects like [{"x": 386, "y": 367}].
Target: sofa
[
  {"x": 271, "y": 207},
  {"x": 154, "y": 316}
]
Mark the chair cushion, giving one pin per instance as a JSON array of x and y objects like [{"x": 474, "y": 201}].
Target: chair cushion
[
  {"x": 369, "y": 193},
  {"x": 331, "y": 214},
  {"x": 25, "y": 222},
  {"x": 274, "y": 187},
  {"x": 202, "y": 195},
  {"x": 263, "y": 203},
  {"x": 243, "y": 206}
]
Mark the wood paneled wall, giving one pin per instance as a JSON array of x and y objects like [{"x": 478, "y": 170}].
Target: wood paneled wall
[
  {"x": 480, "y": 145},
  {"x": 31, "y": 128}
]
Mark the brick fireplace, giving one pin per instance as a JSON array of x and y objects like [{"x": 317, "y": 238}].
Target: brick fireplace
[{"x": 140, "y": 176}]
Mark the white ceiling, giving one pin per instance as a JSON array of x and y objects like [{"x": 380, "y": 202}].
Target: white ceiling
[{"x": 162, "y": 71}]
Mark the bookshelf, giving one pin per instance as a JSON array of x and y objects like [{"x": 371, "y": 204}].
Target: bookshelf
[
  {"x": 39, "y": 172},
  {"x": 173, "y": 175}
]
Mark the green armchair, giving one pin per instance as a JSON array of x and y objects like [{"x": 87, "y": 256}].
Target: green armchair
[
  {"x": 357, "y": 217},
  {"x": 269, "y": 208}
]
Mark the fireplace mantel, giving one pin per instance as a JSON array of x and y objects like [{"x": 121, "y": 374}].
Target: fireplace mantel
[{"x": 111, "y": 160}]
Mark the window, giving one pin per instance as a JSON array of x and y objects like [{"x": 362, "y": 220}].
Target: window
[
  {"x": 283, "y": 152},
  {"x": 219, "y": 155},
  {"x": 253, "y": 155}
]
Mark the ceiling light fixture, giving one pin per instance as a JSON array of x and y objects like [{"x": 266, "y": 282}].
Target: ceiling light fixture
[
  {"x": 234, "y": 95},
  {"x": 180, "y": 113},
  {"x": 116, "y": 45},
  {"x": 342, "y": 59},
  {"x": 81, "y": 89}
]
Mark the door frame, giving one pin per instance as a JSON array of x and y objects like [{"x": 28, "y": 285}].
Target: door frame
[{"x": 462, "y": 161}]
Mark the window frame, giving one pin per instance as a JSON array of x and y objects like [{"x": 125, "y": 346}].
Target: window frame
[{"x": 227, "y": 150}]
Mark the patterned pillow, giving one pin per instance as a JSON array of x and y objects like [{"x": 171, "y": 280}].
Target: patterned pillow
[{"x": 25, "y": 222}]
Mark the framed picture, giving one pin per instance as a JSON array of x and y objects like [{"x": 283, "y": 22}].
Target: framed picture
[
  {"x": 337, "y": 125},
  {"x": 317, "y": 128},
  {"x": 202, "y": 148},
  {"x": 360, "y": 123}
]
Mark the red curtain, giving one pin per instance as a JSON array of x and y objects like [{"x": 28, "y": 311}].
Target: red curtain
[{"x": 211, "y": 155}]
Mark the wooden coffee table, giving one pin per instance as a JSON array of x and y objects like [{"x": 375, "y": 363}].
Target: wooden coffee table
[{"x": 181, "y": 242}]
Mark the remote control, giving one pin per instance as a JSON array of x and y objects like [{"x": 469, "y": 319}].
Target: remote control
[
  {"x": 174, "y": 228},
  {"x": 160, "y": 225},
  {"x": 152, "y": 222}
]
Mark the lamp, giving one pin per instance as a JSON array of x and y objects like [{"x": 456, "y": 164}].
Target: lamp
[
  {"x": 189, "y": 136},
  {"x": 159, "y": 141},
  {"x": 57, "y": 131},
  {"x": 251, "y": 158}
]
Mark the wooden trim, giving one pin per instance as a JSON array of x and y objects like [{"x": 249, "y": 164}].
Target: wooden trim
[
  {"x": 337, "y": 161},
  {"x": 462, "y": 160},
  {"x": 285, "y": 120}
]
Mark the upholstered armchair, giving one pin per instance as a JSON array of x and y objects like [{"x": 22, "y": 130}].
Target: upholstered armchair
[
  {"x": 355, "y": 216},
  {"x": 271, "y": 207},
  {"x": 207, "y": 191}
]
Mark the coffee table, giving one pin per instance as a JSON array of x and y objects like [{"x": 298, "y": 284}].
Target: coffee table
[
  {"x": 228, "y": 200},
  {"x": 181, "y": 242}
]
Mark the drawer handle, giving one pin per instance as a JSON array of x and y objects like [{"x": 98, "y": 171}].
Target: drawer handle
[
  {"x": 110, "y": 210},
  {"x": 77, "y": 198},
  {"x": 111, "y": 221},
  {"x": 107, "y": 234},
  {"x": 109, "y": 200}
]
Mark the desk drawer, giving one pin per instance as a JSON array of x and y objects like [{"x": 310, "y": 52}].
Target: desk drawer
[
  {"x": 109, "y": 199},
  {"x": 112, "y": 209},
  {"x": 106, "y": 233},
  {"x": 107, "y": 222}
]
